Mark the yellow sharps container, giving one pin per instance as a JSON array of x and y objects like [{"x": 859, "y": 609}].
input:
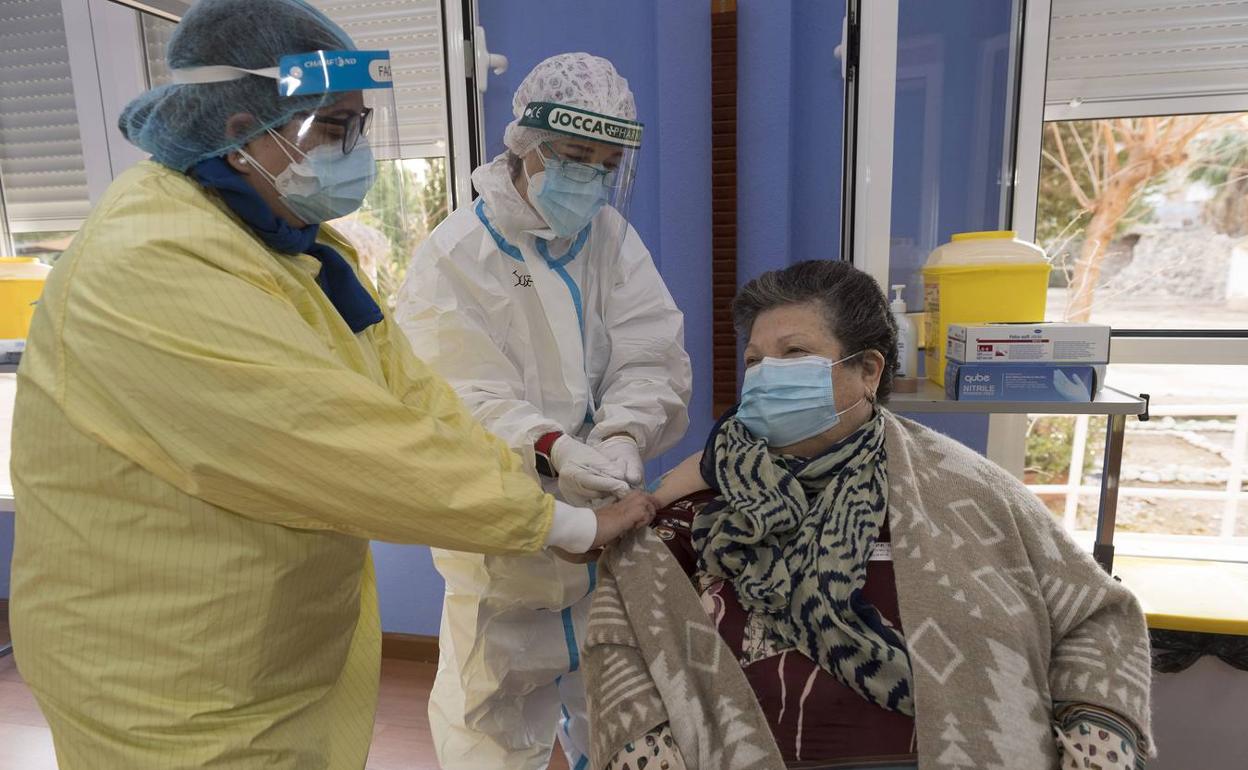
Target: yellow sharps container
[
  {"x": 21, "y": 283},
  {"x": 984, "y": 277}
]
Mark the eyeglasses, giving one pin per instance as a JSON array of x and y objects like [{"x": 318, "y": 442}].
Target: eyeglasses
[
  {"x": 587, "y": 172},
  {"x": 353, "y": 127}
]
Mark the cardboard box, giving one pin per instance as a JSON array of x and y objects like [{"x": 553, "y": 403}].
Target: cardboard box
[
  {"x": 1021, "y": 382},
  {"x": 1058, "y": 343}
]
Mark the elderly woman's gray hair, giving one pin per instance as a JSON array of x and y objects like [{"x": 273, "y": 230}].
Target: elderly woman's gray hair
[{"x": 852, "y": 304}]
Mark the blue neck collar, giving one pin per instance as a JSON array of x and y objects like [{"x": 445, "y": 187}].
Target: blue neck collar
[{"x": 337, "y": 278}]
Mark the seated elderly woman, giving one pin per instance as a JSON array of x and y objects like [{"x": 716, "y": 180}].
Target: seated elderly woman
[{"x": 863, "y": 591}]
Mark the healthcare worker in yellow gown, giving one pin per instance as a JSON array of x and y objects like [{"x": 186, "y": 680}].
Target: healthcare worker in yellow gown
[{"x": 213, "y": 417}]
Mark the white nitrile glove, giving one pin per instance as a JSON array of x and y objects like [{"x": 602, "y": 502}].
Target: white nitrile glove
[
  {"x": 586, "y": 475},
  {"x": 624, "y": 450},
  {"x": 1070, "y": 387}
]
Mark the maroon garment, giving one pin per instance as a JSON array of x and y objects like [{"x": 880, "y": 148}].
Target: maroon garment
[{"x": 812, "y": 715}]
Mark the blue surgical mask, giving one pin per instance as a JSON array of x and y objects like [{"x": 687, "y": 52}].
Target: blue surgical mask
[
  {"x": 324, "y": 184},
  {"x": 567, "y": 205},
  {"x": 788, "y": 400}
]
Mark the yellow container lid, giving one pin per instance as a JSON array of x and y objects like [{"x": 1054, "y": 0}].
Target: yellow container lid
[
  {"x": 988, "y": 248},
  {"x": 995, "y": 267},
  {"x": 984, "y": 235}
]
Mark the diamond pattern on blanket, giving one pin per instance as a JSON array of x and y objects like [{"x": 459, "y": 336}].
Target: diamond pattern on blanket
[
  {"x": 702, "y": 646},
  {"x": 1000, "y": 589},
  {"x": 972, "y": 516},
  {"x": 930, "y": 648}
]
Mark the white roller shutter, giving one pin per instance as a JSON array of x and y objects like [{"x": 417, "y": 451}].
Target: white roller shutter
[
  {"x": 412, "y": 31},
  {"x": 156, "y": 34},
  {"x": 1114, "y": 57},
  {"x": 41, "y": 160}
]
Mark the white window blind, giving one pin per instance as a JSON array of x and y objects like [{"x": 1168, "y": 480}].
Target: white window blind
[
  {"x": 41, "y": 159},
  {"x": 412, "y": 31},
  {"x": 156, "y": 34},
  {"x": 1113, "y": 57}
]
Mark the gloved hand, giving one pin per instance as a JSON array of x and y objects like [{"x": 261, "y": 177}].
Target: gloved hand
[
  {"x": 624, "y": 450},
  {"x": 586, "y": 476}
]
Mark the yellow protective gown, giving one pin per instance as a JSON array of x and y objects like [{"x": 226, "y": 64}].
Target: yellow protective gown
[{"x": 202, "y": 449}]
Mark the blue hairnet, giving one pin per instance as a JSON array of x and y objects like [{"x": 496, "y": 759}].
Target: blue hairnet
[{"x": 182, "y": 124}]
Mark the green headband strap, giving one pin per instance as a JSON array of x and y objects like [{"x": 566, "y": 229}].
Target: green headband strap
[{"x": 574, "y": 121}]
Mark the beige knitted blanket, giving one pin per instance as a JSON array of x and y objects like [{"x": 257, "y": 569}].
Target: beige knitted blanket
[
  {"x": 652, "y": 656},
  {"x": 1003, "y": 614}
]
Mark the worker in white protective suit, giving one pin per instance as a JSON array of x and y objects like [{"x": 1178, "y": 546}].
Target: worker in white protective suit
[{"x": 542, "y": 307}]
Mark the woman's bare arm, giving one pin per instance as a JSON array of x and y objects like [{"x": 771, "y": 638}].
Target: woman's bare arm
[{"x": 684, "y": 479}]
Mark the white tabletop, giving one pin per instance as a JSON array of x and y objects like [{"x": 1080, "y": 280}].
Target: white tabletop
[{"x": 8, "y": 392}]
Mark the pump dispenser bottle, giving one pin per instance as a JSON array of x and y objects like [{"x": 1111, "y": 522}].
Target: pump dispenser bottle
[{"x": 907, "y": 337}]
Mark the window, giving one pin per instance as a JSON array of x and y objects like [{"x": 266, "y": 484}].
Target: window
[
  {"x": 1183, "y": 472},
  {"x": 408, "y": 201},
  {"x": 156, "y": 35},
  {"x": 411, "y": 196},
  {"x": 1141, "y": 169},
  {"x": 1146, "y": 220},
  {"x": 42, "y": 172},
  {"x": 59, "y": 104}
]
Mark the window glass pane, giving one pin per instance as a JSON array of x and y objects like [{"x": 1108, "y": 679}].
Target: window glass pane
[
  {"x": 46, "y": 246},
  {"x": 156, "y": 35},
  {"x": 408, "y": 201},
  {"x": 42, "y": 170},
  {"x": 949, "y": 127},
  {"x": 410, "y": 197},
  {"x": 1146, "y": 221},
  {"x": 1183, "y": 472}
]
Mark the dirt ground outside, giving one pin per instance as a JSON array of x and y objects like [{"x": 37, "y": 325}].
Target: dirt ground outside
[{"x": 1175, "y": 452}]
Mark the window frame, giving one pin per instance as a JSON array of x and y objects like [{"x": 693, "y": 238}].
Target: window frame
[
  {"x": 100, "y": 33},
  {"x": 1007, "y": 434},
  {"x": 1152, "y": 346},
  {"x": 868, "y": 166}
]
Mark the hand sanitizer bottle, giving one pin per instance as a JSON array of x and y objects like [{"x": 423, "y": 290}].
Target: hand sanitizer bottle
[{"x": 907, "y": 338}]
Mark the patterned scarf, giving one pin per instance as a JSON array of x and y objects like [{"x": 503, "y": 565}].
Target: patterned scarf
[{"x": 794, "y": 537}]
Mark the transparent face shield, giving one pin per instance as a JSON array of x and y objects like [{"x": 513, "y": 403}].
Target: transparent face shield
[
  {"x": 346, "y": 135},
  {"x": 588, "y": 166},
  {"x": 357, "y": 122},
  {"x": 356, "y": 102},
  {"x": 341, "y": 141}
]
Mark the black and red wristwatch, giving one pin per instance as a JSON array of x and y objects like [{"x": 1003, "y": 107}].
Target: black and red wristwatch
[{"x": 542, "y": 449}]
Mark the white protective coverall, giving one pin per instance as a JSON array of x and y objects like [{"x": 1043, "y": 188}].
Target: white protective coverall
[{"x": 571, "y": 335}]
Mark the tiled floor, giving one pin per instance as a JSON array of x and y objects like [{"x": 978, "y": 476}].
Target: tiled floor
[{"x": 401, "y": 738}]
